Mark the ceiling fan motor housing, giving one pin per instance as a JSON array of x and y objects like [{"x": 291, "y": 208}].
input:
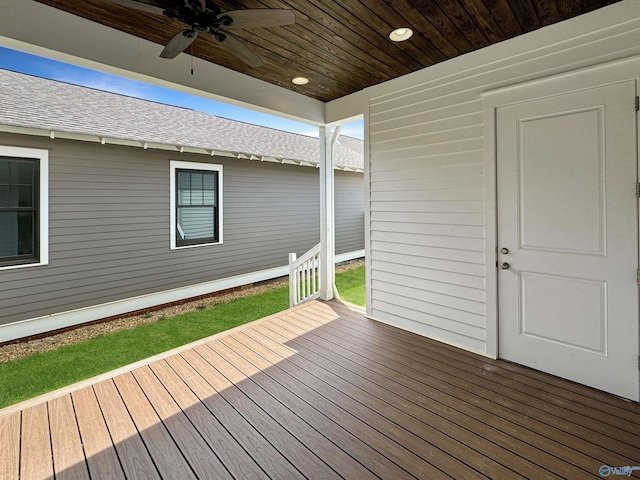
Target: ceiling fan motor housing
[{"x": 208, "y": 18}]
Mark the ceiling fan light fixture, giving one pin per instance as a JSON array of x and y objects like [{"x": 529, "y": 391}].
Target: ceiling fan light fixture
[
  {"x": 401, "y": 34},
  {"x": 300, "y": 80}
]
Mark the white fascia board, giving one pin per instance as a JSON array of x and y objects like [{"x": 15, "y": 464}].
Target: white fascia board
[
  {"x": 62, "y": 36},
  {"x": 81, "y": 137},
  {"x": 157, "y": 146}
]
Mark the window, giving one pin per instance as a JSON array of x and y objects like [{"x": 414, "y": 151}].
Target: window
[
  {"x": 23, "y": 207},
  {"x": 196, "y": 204}
]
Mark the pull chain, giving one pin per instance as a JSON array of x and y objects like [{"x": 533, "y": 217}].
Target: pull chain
[{"x": 192, "y": 59}]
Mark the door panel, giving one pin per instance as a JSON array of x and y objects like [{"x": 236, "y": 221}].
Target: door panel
[
  {"x": 547, "y": 298},
  {"x": 567, "y": 213},
  {"x": 547, "y": 213}
]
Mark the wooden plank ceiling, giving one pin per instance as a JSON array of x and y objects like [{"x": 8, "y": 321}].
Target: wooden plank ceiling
[{"x": 342, "y": 46}]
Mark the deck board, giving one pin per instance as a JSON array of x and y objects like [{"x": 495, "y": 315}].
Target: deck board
[
  {"x": 391, "y": 425},
  {"x": 568, "y": 390},
  {"x": 102, "y": 458},
  {"x": 301, "y": 457},
  {"x": 68, "y": 456},
  {"x": 527, "y": 410},
  {"x": 165, "y": 453},
  {"x": 432, "y": 402},
  {"x": 564, "y": 391},
  {"x": 325, "y": 406},
  {"x": 514, "y": 380},
  {"x": 526, "y": 420},
  {"x": 226, "y": 448},
  {"x": 10, "y": 447},
  {"x": 343, "y": 434},
  {"x": 199, "y": 455},
  {"x": 35, "y": 448},
  {"x": 320, "y": 446},
  {"x": 455, "y": 439},
  {"x": 311, "y": 395},
  {"x": 274, "y": 464},
  {"x": 319, "y": 391},
  {"x": 134, "y": 457},
  {"x": 457, "y": 418}
]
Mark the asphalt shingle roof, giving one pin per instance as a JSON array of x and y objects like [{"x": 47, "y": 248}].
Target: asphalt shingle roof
[{"x": 32, "y": 102}]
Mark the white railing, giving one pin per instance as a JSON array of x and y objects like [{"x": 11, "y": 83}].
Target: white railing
[{"x": 304, "y": 282}]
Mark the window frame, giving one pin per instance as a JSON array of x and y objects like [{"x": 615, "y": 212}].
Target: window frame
[
  {"x": 176, "y": 166},
  {"x": 41, "y": 240}
]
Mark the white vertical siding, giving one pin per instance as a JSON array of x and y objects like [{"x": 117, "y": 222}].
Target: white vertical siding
[{"x": 428, "y": 209}]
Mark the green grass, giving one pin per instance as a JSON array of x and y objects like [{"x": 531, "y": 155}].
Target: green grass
[
  {"x": 31, "y": 376},
  {"x": 351, "y": 286},
  {"x": 40, "y": 373}
]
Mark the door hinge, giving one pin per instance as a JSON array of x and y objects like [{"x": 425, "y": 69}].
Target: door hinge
[
  {"x": 638, "y": 189},
  {"x": 638, "y": 276},
  {"x": 637, "y": 103}
]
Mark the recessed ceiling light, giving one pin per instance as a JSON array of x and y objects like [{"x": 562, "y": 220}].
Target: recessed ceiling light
[
  {"x": 401, "y": 34},
  {"x": 300, "y": 80}
]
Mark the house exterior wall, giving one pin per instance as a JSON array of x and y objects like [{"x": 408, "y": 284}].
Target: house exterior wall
[
  {"x": 349, "y": 211},
  {"x": 109, "y": 229},
  {"x": 431, "y": 202}
]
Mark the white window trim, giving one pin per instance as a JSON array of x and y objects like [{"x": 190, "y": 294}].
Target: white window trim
[
  {"x": 43, "y": 213},
  {"x": 178, "y": 165}
]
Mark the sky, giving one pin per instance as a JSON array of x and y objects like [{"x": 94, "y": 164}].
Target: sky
[{"x": 55, "y": 70}]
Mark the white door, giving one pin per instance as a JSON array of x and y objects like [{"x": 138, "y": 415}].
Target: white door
[{"x": 567, "y": 214}]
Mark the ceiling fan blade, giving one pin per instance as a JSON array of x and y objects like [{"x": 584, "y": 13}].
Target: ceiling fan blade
[
  {"x": 178, "y": 43},
  {"x": 261, "y": 17},
  {"x": 239, "y": 50}
]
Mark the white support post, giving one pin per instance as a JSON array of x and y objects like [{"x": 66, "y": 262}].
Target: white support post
[
  {"x": 293, "y": 282},
  {"x": 327, "y": 213}
]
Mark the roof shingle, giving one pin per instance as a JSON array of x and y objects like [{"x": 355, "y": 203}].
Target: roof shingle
[{"x": 32, "y": 102}]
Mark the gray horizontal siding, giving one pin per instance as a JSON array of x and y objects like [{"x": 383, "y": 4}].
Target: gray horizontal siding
[
  {"x": 349, "y": 211},
  {"x": 426, "y": 168},
  {"x": 109, "y": 226}
]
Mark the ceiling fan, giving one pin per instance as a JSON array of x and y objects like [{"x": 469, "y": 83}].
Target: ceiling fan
[{"x": 208, "y": 18}]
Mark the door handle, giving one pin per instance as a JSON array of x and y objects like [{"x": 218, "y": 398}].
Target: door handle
[{"x": 504, "y": 266}]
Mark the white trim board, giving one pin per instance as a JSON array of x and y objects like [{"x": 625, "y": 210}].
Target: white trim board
[
  {"x": 345, "y": 257},
  {"x": 367, "y": 210},
  {"x": 56, "y": 321}
]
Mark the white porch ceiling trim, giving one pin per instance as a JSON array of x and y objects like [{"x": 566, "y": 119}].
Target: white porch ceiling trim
[{"x": 42, "y": 30}]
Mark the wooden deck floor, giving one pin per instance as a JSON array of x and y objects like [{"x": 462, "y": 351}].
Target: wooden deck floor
[{"x": 320, "y": 392}]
